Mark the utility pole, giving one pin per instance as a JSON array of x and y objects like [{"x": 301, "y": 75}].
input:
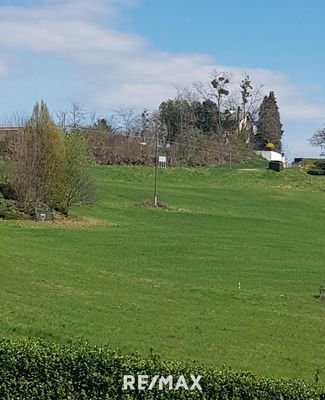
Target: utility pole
[{"x": 155, "y": 198}]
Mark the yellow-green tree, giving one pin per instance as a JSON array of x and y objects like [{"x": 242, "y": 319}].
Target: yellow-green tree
[
  {"x": 38, "y": 161},
  {"x": 78, "y": 185},
  {"x": 48, "y": 167}
]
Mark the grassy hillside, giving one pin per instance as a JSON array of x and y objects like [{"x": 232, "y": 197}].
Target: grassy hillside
[{"x": 168, "y": 280}]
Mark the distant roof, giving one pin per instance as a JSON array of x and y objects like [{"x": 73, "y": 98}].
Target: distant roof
[
  {"x": 299, "y": 159},
  {"x": 9, "y": 130}
]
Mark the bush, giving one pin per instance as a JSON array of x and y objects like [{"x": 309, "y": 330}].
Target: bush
[
  {"x": 3, "y": 206},
  {"x": 10, "y": 210},
  {"x": 314, "y": 171},
  {"x": 314, "y": 167},
  {"x": 269, "y": 146},
  {"x": 31, "y": 369},
  {"x": 7, "y": 191}
]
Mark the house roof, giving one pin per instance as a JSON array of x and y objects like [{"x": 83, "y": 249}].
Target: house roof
[{"x": 9, "y": 130}]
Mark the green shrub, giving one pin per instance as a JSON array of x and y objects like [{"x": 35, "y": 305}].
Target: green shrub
[
  {"x": 7, "y": 191},
  {"x": 3, "y": 206},
  {"x": 320, "y": 164},
  {"x": 12, "y": 211},
  {"x": 314, "y": 171},
  {"x": 32, "y": 369},
  {"x": 315, "y": 167}
]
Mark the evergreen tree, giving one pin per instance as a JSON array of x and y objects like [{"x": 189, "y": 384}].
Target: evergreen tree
[
  {"x": 178, "y": 117},
  {"x": 207, "y": 117},
  {"x": 269, "y": 127}
]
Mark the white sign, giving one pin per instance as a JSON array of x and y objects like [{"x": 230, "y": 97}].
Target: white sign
[{"x": 162, "y": 159}]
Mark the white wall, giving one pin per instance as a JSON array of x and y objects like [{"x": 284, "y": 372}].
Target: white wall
[{"x": 271, "y": 155}]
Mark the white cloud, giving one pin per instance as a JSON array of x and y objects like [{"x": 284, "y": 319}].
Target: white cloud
[
  {"x": 65, "y": 28},
  {"x": 300, "y": 109},
  {"x": 4, "y": 68},
  {"x": 11, "y": 66},
  {"x": 302, "y": 149},
  {"x": 128, "y": 71}
]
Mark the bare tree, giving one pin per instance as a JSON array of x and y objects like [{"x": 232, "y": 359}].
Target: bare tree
[
  {"x": 16, "y": 119},
  {"x": 220, "y": 83},
  {"x": 61, "y": 118},
  {"x": 94, "y": 117},
  {"x": 126, "y": 121},
  {"x": 247, "y": 100},
  {"x": 77, "y": 116},
  {"x": 318, "y": 138},
  {"x": 246, "y": 88},
  {"x": 218, "y": 91}
]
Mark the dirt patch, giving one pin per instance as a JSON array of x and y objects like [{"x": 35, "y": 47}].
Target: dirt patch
[
  {"x": 183, "y": 210},
  {"x": 282, "y": 187},
  {"x": 150, "y": 204},
  {"x": 65, "y": 222},
  {"x": 248, "y": 169},
  {"x": 162, "y": 206}
]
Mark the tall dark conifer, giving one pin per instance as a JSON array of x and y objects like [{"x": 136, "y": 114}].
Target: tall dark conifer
[{"x": 269, "y": 127}]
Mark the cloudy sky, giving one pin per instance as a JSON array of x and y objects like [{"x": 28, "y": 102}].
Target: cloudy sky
[{"x": 104, "y": 54}]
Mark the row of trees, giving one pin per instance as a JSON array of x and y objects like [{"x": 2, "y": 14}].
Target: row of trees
[
  {"x": 226, "y": 112},
  {"x": 202, "y": 126}
]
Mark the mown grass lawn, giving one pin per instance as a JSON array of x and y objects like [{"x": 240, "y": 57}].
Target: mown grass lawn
[{"x": 168, "y": 280}]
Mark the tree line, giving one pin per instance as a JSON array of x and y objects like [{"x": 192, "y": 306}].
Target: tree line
[
  {"x": 48, "y": 162},
  {"x": 204, "y": 125}
]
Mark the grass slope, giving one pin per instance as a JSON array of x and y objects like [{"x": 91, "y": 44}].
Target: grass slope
[{"x": 168, "y": 280}]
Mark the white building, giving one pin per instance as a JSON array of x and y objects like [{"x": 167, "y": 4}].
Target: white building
[{"x": 272, "y": 156}]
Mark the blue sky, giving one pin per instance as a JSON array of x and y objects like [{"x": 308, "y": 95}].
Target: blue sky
[{"x": 105, "y": 54}]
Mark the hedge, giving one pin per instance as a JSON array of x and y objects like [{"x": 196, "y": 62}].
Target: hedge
[{"x": 34, "y": 369}]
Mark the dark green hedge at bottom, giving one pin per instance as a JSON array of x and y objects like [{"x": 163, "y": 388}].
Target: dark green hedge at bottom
[{"x": 32, "y": 369}]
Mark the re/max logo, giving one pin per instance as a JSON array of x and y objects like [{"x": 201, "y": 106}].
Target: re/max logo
[{"x": 143, "y": 382}]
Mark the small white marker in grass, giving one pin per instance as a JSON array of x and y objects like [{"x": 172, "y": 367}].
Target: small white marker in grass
[{"x": 238, "y": 285}]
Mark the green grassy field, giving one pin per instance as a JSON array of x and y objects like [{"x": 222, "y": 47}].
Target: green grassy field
[{"x": 168, "y": 279}]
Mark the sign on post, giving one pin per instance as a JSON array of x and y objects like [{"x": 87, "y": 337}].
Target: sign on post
[
  {"x": 162, "y": 162},
  {"x": 43, "y": 214}
]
